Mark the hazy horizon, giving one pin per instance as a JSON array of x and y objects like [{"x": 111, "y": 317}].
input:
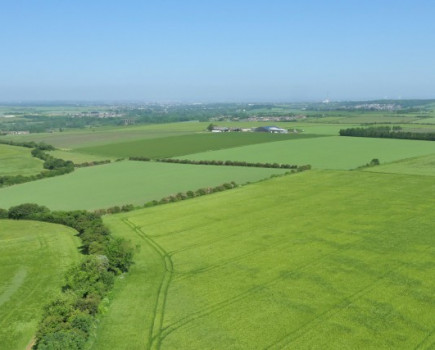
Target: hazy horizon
[{"x": 217, "y": 51}]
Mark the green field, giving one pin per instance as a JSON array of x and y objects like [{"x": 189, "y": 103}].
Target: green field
[
  {"x": 18, "y": 161},
  {"x": 424, "y": 165},
  {"x": 125, "y": 182},
  {"x": 324, "y": 259},
  {"x": 106, "y": 135},
  {"x": 180, "y": 145},
  {"x": 334, "y": 152},
  {"x": 318, "y": 260},
  {"x": 77, "y": 157},
  {"x": 33, "y": 259}
]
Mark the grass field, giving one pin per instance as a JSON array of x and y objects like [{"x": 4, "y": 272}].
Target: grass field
[
  {"x": 33, "y": 259},
  {"x": 180, "y": 145},
  {"x": 334, "y": 152},
  {"x": 125, "y": 182},
  {"x": 318, "y": 260},
  {"x": 18, "y": 161},
  {"x": 77, "y": 157},
  {"x": 424, "y": 165}
]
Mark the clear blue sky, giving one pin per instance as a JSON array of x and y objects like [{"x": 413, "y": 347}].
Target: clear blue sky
[{"x": 207, "y": 50}]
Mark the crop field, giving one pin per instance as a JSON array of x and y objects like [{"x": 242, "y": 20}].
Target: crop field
[
  {"x": 424, "y": 165},
  {"x": 18, "y": 161},
  {"x": 108, "y": 135},
  {"x": 333, "y": 152},
  {"x": 181, "y": 145},
  {"x": 125, "y": 182},
  {"x": 324, "y": 259},
  {"x": 33, "y": 258},
  {"x": 105, "y": 135},
  {"x": 321, "y": 259}
]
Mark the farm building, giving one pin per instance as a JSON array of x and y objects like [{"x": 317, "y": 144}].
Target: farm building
[
  {"x": 271, "y": 129},
  {"x": 220, "y": 129}
]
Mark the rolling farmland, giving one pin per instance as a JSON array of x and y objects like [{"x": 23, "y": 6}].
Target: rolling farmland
[
  {"x": 332, "y": 152},
  {"x": 330, "y": 259},
  {"x": 106, "y": 135},
  {"x": 322, "y": 259},
  {"x": 34, "y": 256},
  {"x": 18, "y": 161},
  {"x": 125, "y": 182},
  {"x": 181, "y": 145}
]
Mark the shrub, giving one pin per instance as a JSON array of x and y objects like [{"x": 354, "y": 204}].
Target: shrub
[
  {"x": 120, "y": 254},
  {"x": 62, "y": 340},
  {"x": 27, "y": 211}
]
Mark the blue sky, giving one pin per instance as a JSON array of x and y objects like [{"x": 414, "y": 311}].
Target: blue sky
[{"x": 207, "y": 51}]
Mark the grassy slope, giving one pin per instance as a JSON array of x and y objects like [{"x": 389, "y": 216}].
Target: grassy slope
[
  {"x": 125, "y": 182},
  {"x": 335, "y": 152},
  {"x": 180, "y": 145},
  {"x": 33, "y": 258},
  {"x": 424, "y": 165},
  {"x": 315, "y": 260},
  {"x": 18, "y": 161}
]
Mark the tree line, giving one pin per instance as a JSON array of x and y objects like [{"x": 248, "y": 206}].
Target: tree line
[
  {"x": 225, "y": 163},
  {"x": 93, "y": 163},
  {"x": 388, "y": 132},
  {"x": 67, "y": 320}
]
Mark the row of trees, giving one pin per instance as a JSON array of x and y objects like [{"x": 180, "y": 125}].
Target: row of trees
[
  {"x": 29, "y": 144},
  {"x": 228, "y": 163},
  {"x": 388, "y": 132},
  {"x": 67, "y": 320},
  {"x": 225, "y": 163},
  {"x": 169, "y": 199},
  {"x": 95, "y": 162}
]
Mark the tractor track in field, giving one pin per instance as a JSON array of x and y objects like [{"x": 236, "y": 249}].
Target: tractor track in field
[
  {"x": 180, "y": 275},
  {"x": 154, "y": 338},
  {"x": 428, "y": 341},
  {"x": 286, "y": 340},
  {"x": 227, "y": 302}
]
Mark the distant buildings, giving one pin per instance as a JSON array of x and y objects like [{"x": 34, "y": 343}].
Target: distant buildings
[
  {"x": 269, "y": 129},
  {"x": 25, "y": 132}
]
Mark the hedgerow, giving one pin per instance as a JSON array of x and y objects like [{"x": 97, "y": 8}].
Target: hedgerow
[
  {"x": 67, "y": 320},
  {"x": 219, "y": 162},
  {"x": 387, "y": 132}
]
